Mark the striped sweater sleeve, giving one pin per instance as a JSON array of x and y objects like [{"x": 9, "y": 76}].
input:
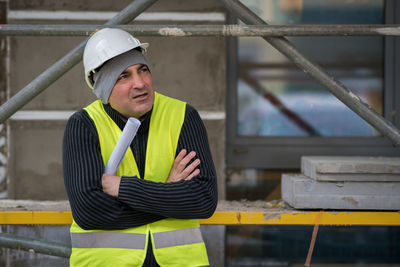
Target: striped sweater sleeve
[
  {"x": 83, "y": 168},
  {"x": 192, "y": 199}
]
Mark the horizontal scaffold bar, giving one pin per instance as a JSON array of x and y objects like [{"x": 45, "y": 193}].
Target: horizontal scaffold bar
[
  {"x": 33, "y": 245},
  {"x": 207, "y": 30}
]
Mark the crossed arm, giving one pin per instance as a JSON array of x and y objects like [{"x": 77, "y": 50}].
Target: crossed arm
[
  {"x": 110, "y": 202},
  {"x": 182, "y": 169}
]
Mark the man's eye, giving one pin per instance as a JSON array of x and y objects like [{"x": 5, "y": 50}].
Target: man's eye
[
  {"x": 144, "y": 69},
  {"x": 123, "y": 76}
]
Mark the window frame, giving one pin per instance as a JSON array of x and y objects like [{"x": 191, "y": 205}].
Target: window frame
[{"x": 285, "y": 152}]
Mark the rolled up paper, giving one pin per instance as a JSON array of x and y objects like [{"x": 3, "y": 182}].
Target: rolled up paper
[{"x": 127, "y": 135}]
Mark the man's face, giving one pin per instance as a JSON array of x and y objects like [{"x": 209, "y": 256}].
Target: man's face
[{"x": 133, "y": 93}]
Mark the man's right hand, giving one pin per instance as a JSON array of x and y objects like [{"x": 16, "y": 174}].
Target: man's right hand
[{"x": 182, "y": 170}]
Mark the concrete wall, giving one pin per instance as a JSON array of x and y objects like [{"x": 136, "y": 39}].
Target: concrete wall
[{"x": 191, "y": 69}]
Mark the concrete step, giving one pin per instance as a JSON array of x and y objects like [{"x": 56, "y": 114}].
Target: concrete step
[
  {"x": 372, "y": 169},
  {"x": 302, "y": 192}
]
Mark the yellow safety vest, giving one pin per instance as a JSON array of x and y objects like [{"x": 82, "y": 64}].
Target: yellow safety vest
[{"x": 175, "y": 242}]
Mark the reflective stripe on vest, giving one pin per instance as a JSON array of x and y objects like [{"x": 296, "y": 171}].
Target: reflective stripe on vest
[
  {"x": 108, "y": 240},
  {"x": 135, "y": 241},
  {"x": 177, "y": 237}
]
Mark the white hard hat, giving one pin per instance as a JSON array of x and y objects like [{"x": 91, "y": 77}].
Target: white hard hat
[{"x": 104, "y": 45}]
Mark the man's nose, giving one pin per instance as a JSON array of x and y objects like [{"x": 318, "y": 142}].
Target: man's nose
[{"x": 137, "y": 81}]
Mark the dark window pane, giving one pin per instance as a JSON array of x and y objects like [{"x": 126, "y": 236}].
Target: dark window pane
[{"x": 277, "y": 99}]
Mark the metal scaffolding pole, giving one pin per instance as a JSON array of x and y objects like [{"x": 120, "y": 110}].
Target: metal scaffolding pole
[
  {"x": 63, "y": 65},
  {"x": 206, "y": 30},
  {"x": 28, "y": 244},
  {"x": 335, "y": 87}
]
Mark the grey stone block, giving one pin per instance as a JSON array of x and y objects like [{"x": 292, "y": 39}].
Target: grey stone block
[
  {"x": 323, "y": 168},
  {"x": 302, "y": 192}
]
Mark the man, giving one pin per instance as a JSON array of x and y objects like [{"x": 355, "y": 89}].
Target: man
[{"x": 146, "y": 214}]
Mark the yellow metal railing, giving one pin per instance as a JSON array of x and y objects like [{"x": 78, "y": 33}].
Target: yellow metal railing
[{"x": 285, "y": 217}]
